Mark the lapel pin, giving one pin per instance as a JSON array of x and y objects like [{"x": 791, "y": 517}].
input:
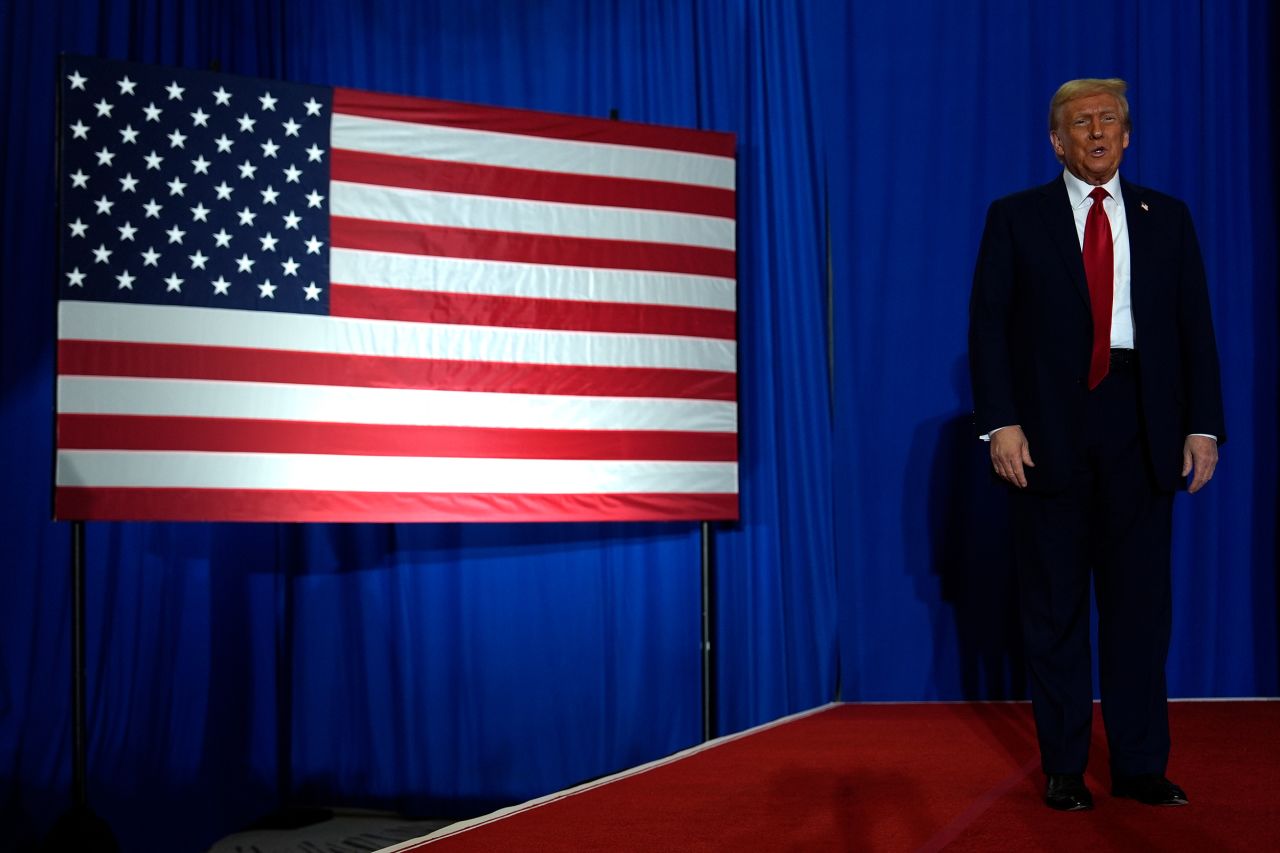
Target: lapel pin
[{"x": 1143, "y": 205}]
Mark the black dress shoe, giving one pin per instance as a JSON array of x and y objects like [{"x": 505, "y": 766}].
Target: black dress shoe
[
  {"x": 1150, "y": 788},
  {"x": 1066, "y": 793}
]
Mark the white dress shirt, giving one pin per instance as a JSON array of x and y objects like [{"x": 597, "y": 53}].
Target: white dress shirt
[{"x": 1121, "y": 307}]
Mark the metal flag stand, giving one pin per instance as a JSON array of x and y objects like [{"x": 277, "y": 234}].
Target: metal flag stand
[
  {"x": 708, "y": 628},
  {"x": 78, "y": 828}
]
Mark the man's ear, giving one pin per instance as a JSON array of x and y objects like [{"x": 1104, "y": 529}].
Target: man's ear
[{"x": 1056, "y": 143}]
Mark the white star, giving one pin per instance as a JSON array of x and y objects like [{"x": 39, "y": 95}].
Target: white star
[
  {"x": 244, "y": 263},
  {"x": 176, "y": 234},
  {"x": 176, "y": 187},
  {"x": 104, "y": 205},
  {"x": 126, "y": 281},
  {"x": 222, "y": 96},
  {"x": 313, "y": 292},
  {"x": 79, "y": 130},
  {"x": 199, "y": 118},
  {"x": 268, "y": 242},
  {"x": 153, "y": 160},
  {"x": 313, "y": 246},
  {"x": 128, "y": 183},
  {"x": 314, "y": 153},
  {"x": 126, "y": 231},
  {"x": 152, "y": 111},
  {"x": 313, "y": 107},
  {"x": 175, "y": 283},
  {"x": 291, "y": 267},
  {"x": 224, "y": 191},
  {"x": 224, "y": 144},
  {"x": 79, "y": 179},
  {"x": 78, "y": 228},
  {"x": 270, "y": 195},
  {"x": 269, "y": 148},
  {"x": 246, "y": 216},
  {"x": 268, "y": 290},
  {"x": 104, "y": 156},
  {"x": 222, "y": 239},
  {"x": 220, "y": 286},
  {"x": 175, "y": 91},
  {"x": 150, "y": 256},
  {"x": 103, "y": 108},
  {"x": 77, "y": 81},
  {"x": 292, "y": 174},
  {"x": 291, "y": 127},
  {"x": 201, "y": 165},
  {"x": 126, "y": 86},
  {"x": 291, "y": 221},
  {"x": 152, "y": 209},
  {"x": 313, "y": 199},
  {"x": 199, "y": 213},
  {"x": 128, "y": 134},
  {"x": 101, "y": 254},
  {"x": 268, "y": 102},
  {"x": 246, "y": 123},
  {"x": 75, "y": 278},
  {"x": 176, "y": 139},
  {"x": 247, "y": 169},
  {"x": 198, "y": 260}
]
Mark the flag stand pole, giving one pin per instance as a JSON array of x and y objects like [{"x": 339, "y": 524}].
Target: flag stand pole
[
  {"x": 708, "y": 626},
  {"x": 79, "y": 828}
]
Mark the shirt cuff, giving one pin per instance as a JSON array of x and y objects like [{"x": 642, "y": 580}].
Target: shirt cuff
[{"x": 987, "y": 437}]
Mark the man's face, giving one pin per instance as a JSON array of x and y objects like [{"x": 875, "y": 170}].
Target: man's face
[{"x": 1090, "y": 138}]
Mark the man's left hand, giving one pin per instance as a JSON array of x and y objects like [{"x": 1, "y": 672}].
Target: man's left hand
[{"x": 1199, "y": 454}]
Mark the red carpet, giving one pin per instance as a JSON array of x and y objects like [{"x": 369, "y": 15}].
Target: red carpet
[{"x": 906, "y": 777}]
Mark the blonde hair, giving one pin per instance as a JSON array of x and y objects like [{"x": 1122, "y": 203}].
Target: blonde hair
[{"x": 1073, "y": 89}]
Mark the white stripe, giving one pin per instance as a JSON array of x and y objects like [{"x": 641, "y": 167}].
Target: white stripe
[
  {"x": 534, "y": 281},
  {"x": 521, "y": 216},
  {"x": 111, "y": 395},
  {"x": 489, "y": 148},
  {"x": 170, "y": 324},
  {"x": 145, "y": 469}
]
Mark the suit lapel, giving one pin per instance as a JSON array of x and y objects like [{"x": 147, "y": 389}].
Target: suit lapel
[
  {"x": 1138, "y": 224},
  {"x": 1060, "y": 224}
]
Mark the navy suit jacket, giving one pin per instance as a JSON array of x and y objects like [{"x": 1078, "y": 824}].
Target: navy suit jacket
[{"x": 1031, "y": 333}]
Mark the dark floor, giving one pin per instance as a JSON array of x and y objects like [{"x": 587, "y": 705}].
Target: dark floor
[{"x": 328, "y": 831}]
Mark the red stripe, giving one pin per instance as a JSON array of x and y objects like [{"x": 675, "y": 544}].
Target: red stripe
[
  {"x": 530, "y": 122},
  {"x": 427, "y": 306},
  {"x": 233, "y": 435},
  {"x": 375, "y": 235},
  {"x": 389, "y": 170},
  {"x": 181, "y": 361},
  {"x": 120, "y": 504}
]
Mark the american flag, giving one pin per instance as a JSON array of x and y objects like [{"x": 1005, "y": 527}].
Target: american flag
[{"x": 281, "y": 302}]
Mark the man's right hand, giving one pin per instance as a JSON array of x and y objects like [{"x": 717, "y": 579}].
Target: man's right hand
[{"x": 1009, "y": 453}]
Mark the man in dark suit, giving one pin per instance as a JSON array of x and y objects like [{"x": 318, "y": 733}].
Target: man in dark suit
[{"x": 1095, "y": 379}]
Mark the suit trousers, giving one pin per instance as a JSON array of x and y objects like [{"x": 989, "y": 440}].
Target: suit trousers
[{"x": 1114, "y": 525}]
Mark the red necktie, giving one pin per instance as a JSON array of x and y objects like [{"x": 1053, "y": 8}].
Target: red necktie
[{"x": 1098, "y": 270}]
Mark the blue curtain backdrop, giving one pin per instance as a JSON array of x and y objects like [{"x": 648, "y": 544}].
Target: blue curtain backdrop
[
  {"x": 448, "y": 668},
  {"x": 435, "y": 669},
  {"x": 948, "y": 110}
]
